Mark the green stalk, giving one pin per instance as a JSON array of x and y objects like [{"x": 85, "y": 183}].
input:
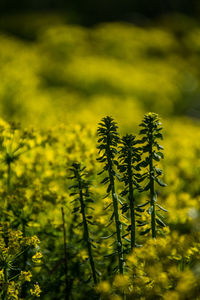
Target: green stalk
[
  {"x": 24, "y": 285},
  {"x": 67, "y": 285},
  {"x": 86, "y": 231},
  {"x": 4, "y": 296},
  {"x": 115, "y": 206},
  {"x": 8, "y": 176},
  {"x": 129, "y": 156},
  {"x": 151, "y": 131},
  {"x": 108, "y": 141},
  {"x": 131, "y": 199},
  {"x": 151, "y": 172}
]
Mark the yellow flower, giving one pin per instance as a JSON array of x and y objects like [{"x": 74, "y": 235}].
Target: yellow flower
[
  {"x": 37, "y": 257},
  {"x": 25, "y": 276},
  {"x": 36, "y": 291}
]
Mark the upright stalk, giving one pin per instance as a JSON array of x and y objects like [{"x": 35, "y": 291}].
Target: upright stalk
[
  {"x": 129, "y": 158},
  {"x": 83, "y": 193},
  {"x": 4, "y": 296},
  {"x": 152, "y": 132},
  {"x": 151, "y": 172},
  {"x": 86, "y": 231},
  {"x": 116, "y": 213},
  {"x": 8, "y": 175},
  {"x": 67, "y": 286},
  {"x": 108, "y": 142},
  {"x": 131, "y": 201},
  {"x": 24, "y": 285}
]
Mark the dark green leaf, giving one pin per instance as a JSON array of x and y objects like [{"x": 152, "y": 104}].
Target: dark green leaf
[
  {"x": 126, "y": 239},
  {"x": 159, "y": 147},
  {"x": 142, "y": 224},
  {"x": 108, "y": 206},
  {"x": 89, "y": 200},
  {"x": 73, "y": 194},
  {"x": 159, "y": 136},
  {"x": 144, "y": 204},
  {"x": 158, "y": 171},
  {"x": 160, "y": 182},
  {"x": 145, "y": 231},
  {"x": 107, "y": 237},
  {"x": 75, "y": 209},
  {"x": 160, "y": 222},
  {"x": 105, "y": 180},
  {"x": 138, "y": 209},
  {"x": 160, "y": 154},
  {"x": 123, "y": 223},
  {"x": 100, "y": 172},
  {"x": 143, "y": 131},
  {"x": 147, "y": 187},
  {"x": 156, "y": 156},
  {"x": 162, "y": 208}
]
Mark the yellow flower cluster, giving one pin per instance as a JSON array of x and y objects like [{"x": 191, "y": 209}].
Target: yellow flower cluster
[{"x": 36, "y": 291}]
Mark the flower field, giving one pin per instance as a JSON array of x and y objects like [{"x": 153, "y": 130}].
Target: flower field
[{"x": 67, "y": 227}]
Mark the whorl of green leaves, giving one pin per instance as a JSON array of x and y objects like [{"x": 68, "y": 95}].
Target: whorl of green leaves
[
  {"x": 108, "y": 142},
  {"x": 129, "y": 156},
  {"x": 82, "y": 194},
  {"x": 151, "y": 131}
]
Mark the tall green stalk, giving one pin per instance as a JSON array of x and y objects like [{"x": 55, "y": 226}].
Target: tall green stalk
[
  {"x": 108, "y": 141},
  {"x": 4, "y": 296},
  {"x": 67, "y": 285},
  {"x": 152, "y": 132},
  {"x": 8, "y": 176},
  {"x": 129, "y": 158},
  {"x": 81, "y": 188}
]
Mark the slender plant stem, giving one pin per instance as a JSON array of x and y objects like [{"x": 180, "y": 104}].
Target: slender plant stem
[
  {"x": 131, "y": 200},
  {"x": 24, "y": 234},
  {"x": 116, "y": 213},
  {"x": 86, "y": 231},
  {"x": 151, "y": 171},
  {"x": 24, "y": 285},
  {"x": 67, "y": 285},
  {"x": 4, "y": 296},
  {"x": 8, "y": 176}
]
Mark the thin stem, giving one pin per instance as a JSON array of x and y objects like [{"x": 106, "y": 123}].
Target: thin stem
[
  {"x": 86, "y": 231},
  {"x": 151, "y": 171},
  {"x": 116, "y": 213},
  {"x": 67, "y": 285},
  {"x": 132, "y": 200},
  {"x": 8, "y": 176},
  {"x": 24, "y": 285},
  {"x": 4, "y": 296}
]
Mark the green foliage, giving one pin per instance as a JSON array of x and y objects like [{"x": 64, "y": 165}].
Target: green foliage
[
  {"x": 151, "y": 131},
  {"x": 83, "y": 196},
  {"x": 129, "y": 157},
  {"x": 108, "y": 141}
]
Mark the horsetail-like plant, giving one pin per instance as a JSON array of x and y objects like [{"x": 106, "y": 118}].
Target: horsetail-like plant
[
  {"x": 81, "y": 189},
  {"x": 108, "y": 142},
  {"x": 151, "y": 131},
  {"x": 129, "y": 156}
]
